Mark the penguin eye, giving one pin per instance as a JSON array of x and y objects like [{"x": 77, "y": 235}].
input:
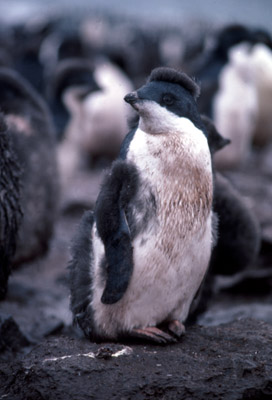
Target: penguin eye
[{"x": 168, "y": 99}]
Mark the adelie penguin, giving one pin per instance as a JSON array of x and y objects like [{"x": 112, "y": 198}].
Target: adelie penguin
[{"x": 139, "y": 259}]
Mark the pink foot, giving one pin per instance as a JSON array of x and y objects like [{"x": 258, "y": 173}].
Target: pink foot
[
  {"x": 176, "y": 328},
  {"x": 153, "y": 334}
]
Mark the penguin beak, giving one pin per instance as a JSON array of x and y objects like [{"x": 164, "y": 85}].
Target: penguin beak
[{"x": 131, "y": 98}]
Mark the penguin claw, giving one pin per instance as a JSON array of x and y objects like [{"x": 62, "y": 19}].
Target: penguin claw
[
  {"x": 176, "y": 328},
  {"x": 153, "y": 334}
]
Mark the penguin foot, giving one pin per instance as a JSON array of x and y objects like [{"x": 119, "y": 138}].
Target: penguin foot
[
  {"x": 153, "y": 334},
  {"x": 176, "y": 328}
]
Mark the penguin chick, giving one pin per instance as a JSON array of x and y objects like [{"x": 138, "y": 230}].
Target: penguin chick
[
  {"x": 33, "y": 141},
  {"x": 138, "y": 261},
  {"x": 235, "y": 107},
  {"x": 235, "y": 91},
  {"x": 10, "y": 206},
  {"x": 208, "y": 67}
]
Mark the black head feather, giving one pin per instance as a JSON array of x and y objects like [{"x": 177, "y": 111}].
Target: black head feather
[{"x": 171, "y": 75}]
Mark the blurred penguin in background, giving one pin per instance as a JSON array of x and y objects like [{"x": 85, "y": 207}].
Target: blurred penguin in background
[
  {"x": 231, "y": 94},
  {"x": 63, "y": 43},
  {"x": 103, "y": 122},
  {"x": 97, "y": 116},
  {"x": 71, "y": 82},
  {"x": 32, "y": 139},
  {"x": 235, "y": 107}
]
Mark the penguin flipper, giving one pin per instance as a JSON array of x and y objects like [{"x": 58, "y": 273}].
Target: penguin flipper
[
  {"x": 117, "y": 191},
  {"x": 119, "y": 255}
]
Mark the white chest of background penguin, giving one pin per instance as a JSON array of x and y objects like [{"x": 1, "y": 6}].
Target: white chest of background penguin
[{"x": 150, "y": 240}]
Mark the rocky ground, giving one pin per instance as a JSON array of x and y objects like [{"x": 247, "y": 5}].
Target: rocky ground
[
  {"x": 232, "y": 361},
  {"x": 226, "y": 355}
]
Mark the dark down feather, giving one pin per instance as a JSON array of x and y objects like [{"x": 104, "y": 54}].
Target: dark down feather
[
  {"x": 166, "y": 74},
  {"x": 10, "y": 208},
  {"x": 80, "y": 279},
  {"x": 238, "y": 230}
]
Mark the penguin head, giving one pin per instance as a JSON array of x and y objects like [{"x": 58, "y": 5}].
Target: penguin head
[
  {"x": 72, "y": 72},
  {"x": 234, "y": 34},
  {"x": 167, "y": 96},
  {"x": 230, "y": 36},
  {"x": 74, "y": 75}
]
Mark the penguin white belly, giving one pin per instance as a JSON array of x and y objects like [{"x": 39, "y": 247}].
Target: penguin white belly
[
  {"x": 171, "y": 257},
  {"x": 163, "y": 286}
]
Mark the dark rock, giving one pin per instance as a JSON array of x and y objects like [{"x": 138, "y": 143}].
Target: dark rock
[
  {"x": 11, "y": 337},
  {"x": 229, "y": 362}
]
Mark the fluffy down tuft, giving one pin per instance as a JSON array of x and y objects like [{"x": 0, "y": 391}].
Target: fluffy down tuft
[{"x": 171, "y": 75}]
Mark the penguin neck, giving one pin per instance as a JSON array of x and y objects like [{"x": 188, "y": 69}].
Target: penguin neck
[
  {"x": 153, "y": 125},
  {"x": 71, "y": 100},
  {"x": 178, "y": 142}
]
